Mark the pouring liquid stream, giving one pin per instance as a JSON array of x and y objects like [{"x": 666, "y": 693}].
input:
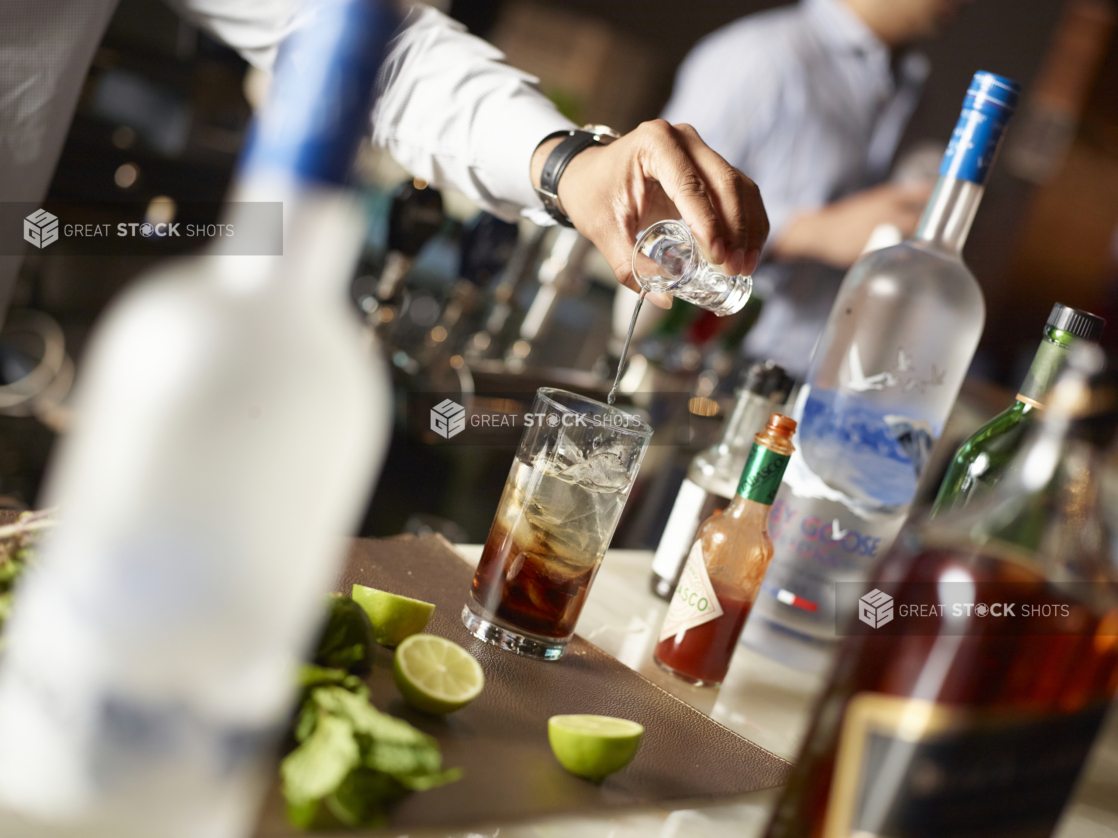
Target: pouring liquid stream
[{"x": 625, "y": 349}]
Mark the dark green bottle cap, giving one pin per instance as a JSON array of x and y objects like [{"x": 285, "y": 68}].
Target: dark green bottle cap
[{"x": 1076, "y": 322}]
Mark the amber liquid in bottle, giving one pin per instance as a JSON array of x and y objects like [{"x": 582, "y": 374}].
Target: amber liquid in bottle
[
  {"x": 1029, "y": 694},
  {"x": 734, "y": 548}
]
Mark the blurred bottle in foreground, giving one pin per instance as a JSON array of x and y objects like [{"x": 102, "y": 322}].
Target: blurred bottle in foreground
[
  {"x": 724, "y": 568},
  {"x": 981, "y": 461},
  {"x": 229, "y": 425},
  {"x": 713, "y": 475},
  {"x": 969, "y": 691},
  {"x": 882, "y": 381}
]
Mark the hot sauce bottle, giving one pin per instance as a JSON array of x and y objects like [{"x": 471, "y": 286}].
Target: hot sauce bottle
[{"x": 725, "y": 566}]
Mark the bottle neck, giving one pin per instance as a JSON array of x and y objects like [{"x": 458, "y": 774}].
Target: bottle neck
[
  {"x": 750, "y": 413},
  {"x": 950, "y": 212},
  {"x": 768, "y": 458},
  {"x": 1050, "y": 359},
  {"x": 314, "y": 247}
]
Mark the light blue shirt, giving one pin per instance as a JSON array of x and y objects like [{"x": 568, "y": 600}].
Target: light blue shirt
[{"x": 803, "y": 100}]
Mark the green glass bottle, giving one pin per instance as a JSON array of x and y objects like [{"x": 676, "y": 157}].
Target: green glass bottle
[{"x": 981, "y": 461}]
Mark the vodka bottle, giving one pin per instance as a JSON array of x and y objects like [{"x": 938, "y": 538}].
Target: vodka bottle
[
  {"x": 229, "y": 425},
  {"x": 981, "y": 462},
  {"x": 884, "y": 375},
  {"x": 967, "y": 695},
  {"x": 712, "y": 477}
]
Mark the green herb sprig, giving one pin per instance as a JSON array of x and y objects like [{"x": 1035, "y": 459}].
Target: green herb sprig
[
  {"x": 352, "y": 761},
  {"x": 17, "y": 553}
]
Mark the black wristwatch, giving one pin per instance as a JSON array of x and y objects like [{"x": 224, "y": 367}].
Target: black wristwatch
[{"x": 577, "y": 140}]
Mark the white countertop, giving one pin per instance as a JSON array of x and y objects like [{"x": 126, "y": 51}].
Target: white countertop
[{"x": 762, "y": 700}]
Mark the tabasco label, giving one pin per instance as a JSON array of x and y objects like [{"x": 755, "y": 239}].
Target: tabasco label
[
  {"x": 693, "y": 602},
  {"x": 760, "y": 479}
]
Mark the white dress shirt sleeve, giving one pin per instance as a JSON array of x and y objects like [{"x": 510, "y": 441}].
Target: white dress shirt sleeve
[
  {"x": 448, "y": 109},
  {"x": 451, "y": 112}
]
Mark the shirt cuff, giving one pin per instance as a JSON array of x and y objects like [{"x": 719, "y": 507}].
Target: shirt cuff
[{"x": 513, "y": 133}]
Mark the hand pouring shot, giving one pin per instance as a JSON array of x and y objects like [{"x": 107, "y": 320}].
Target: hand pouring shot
[{"x": 520, "y": 417}]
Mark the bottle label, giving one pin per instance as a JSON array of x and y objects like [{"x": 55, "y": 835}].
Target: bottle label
[
  {"x": 683, "y": 523},
  {"x": 915, "y": 769},
  {"x": 760, "y": 479},
  {"x": 693, "y": 602},
  {"x": 974, "y": 144}
]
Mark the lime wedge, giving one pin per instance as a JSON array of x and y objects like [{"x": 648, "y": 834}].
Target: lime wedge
[
  {"x": 593, "y": 746},
  {"x": 436, "y": 675},
  {"x": 394, "y": 617}
]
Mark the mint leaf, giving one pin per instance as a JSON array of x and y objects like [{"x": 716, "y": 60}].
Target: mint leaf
[
  {"x": 347, "y": 637},
  {"x": 9, "y": 572},
  {"x": 369, "y": 720},
  {"x": 422, "y": 782},
  {"x": 307, "y": 721},
  {"x": 302, "y": 815},
  {"x": 364, "y": 797},
  {"x": 310, "y": 675},
  {"x": 318, "y": 766},
  {"x": 399, "y": 759}
]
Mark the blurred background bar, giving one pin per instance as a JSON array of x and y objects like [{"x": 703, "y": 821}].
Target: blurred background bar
[{"x": 472, "y": 306}]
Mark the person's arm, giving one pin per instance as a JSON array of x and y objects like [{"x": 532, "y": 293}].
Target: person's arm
[
  {"x": 837, "y": 233},
  {"x": 451, "y": 112},
  {"x": 481, "y": 131}
]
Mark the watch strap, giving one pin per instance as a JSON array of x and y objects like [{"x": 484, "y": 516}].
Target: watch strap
[{"x": 575, "y": 141}]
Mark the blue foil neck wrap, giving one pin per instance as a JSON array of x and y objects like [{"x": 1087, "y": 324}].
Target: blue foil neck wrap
[
  {"x": 987, "y": 108},
  {"x": 322, "y": 90}
]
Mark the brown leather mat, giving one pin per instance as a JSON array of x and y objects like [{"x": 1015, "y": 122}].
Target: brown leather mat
[{"x": 500, "y": 740}]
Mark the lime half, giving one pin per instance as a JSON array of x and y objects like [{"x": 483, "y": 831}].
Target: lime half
[
  {"x": 436, "y": 675},
  {"x": 594, "y": 746},
  {"x": 394, "y": 617}
]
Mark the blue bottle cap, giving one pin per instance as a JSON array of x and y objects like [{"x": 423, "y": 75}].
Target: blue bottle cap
[
  {"x": 988, "y": 92},
  {"x": 322, "y": 91},
  {"x": 987, "y": 108}
]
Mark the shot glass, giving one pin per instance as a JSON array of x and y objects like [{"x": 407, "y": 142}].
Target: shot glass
[
  {"x": 569, "y": 482},
  {"x": 667, "y": 258}
]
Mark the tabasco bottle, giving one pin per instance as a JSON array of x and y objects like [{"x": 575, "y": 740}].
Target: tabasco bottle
[{"x": 725, "y": 567}]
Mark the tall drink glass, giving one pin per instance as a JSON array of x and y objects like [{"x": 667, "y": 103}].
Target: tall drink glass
[{"x": 573, "y": 470}]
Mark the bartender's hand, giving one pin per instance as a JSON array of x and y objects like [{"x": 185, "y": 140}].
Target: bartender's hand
[
  {"x": 655, "y": 172},
  {"x": 837, "y": 233}
]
